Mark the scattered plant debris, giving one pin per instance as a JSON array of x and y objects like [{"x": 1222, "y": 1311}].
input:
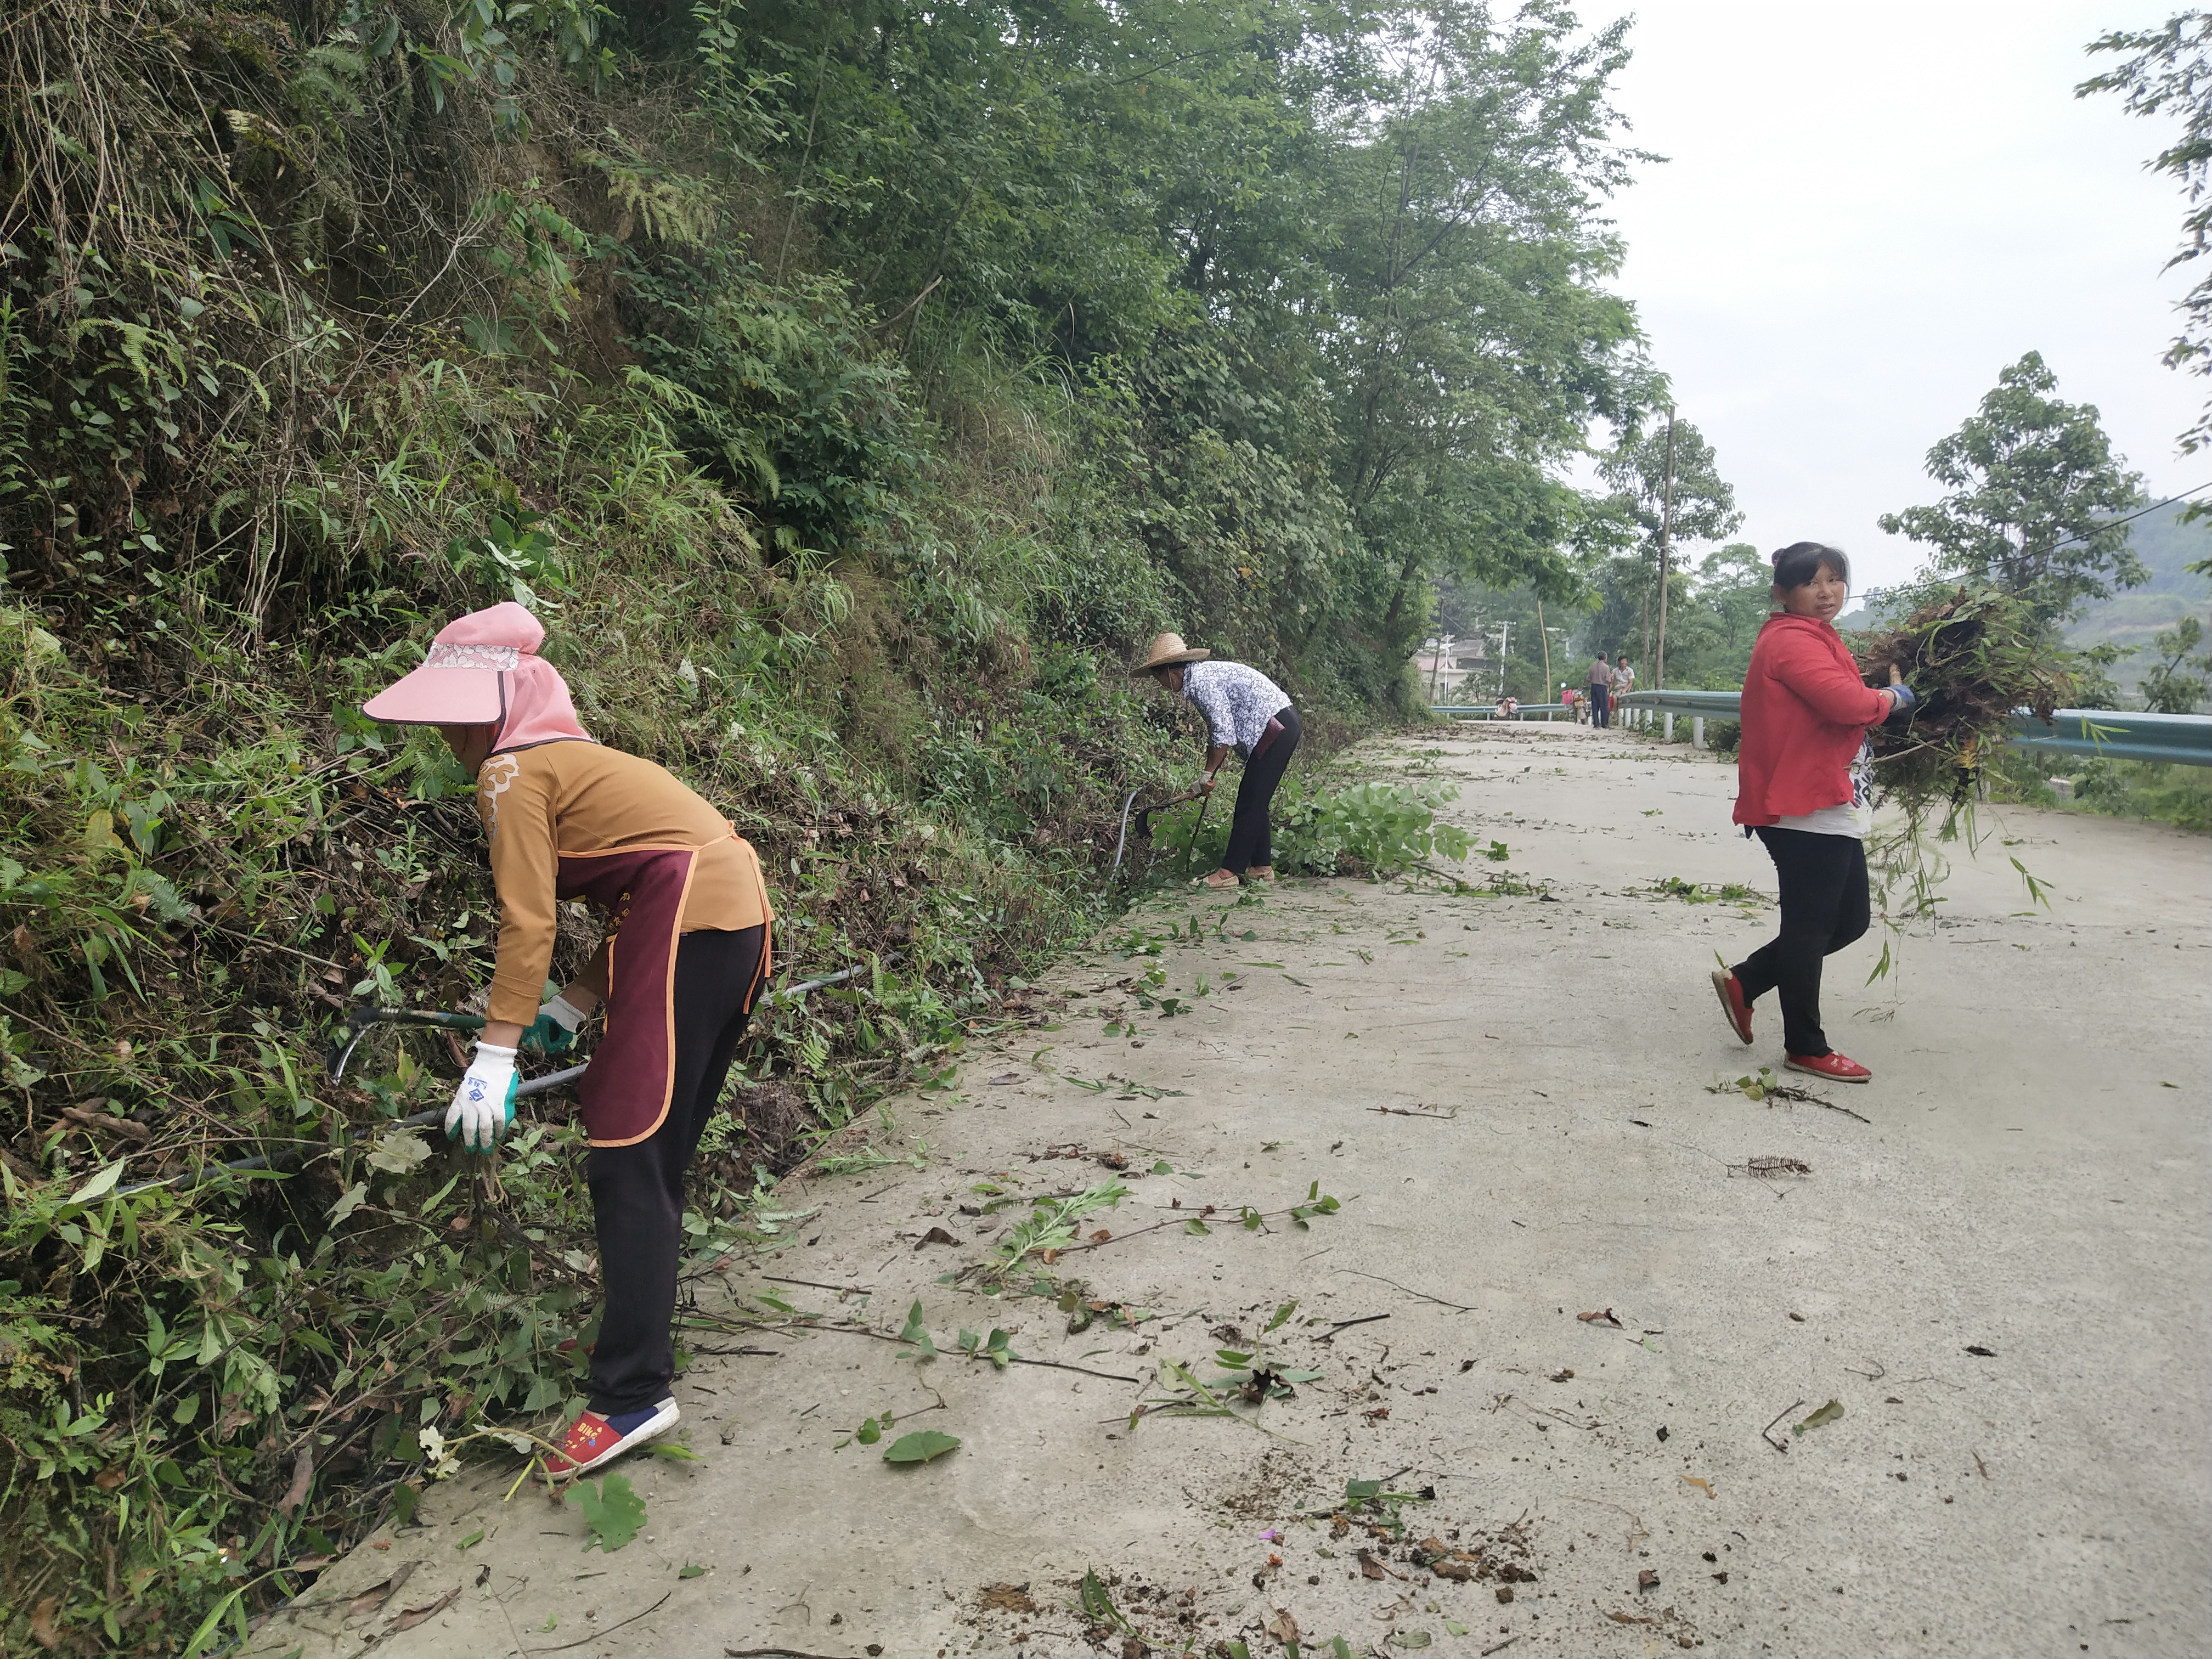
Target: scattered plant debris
[
  {"x": 613, "y": 1511},
  {"x": 922, "y": 1446},
  {"x": 1831, "y": 1412}
]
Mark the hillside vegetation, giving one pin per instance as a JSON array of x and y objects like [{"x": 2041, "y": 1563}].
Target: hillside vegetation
[
  {"x": 2166, "y": 544},
  {"x": 851, "y": 388}
]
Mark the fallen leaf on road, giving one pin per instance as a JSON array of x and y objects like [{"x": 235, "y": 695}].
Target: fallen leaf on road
[
  {"x": 1410, "y": 1638},
  {"x": 1603, "y": 1318},
  {"x": 1282, "y": 1626},
  {"x": 1006, "y": 1077},
  {"x": 414, "y": 1616},
  {"x": 1006, "y": 1598},
  {"x": 1704, "y": 1486},
  {"x": 1646, "y": 1579},
  {"x": 935, "y": 1235},
  {"x": 1828, "y": 1414},
  {"x": 1557, "y": 1377},
  {"x": 920, "y": 1447},
  {"x": 1374, "y": 1568},
  {"x": 376, "y": 1595},
  {"x": 1777, "y": 1166},
  {"x": 1629, "y": 1619},
  {"x": 1981, "y": 1352}
]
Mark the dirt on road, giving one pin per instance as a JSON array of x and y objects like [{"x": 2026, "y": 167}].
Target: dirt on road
[{"x": 1650, "y": 1363}]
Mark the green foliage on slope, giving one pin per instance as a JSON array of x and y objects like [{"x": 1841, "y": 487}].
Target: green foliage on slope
[{"x": 851, "y": 389}]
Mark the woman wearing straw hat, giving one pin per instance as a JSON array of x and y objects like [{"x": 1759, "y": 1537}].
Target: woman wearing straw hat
[
  {"x": 1244, "y": 710},
  {"x": 686, "y": 951}
]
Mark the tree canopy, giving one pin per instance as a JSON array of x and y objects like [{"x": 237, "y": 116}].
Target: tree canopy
[
  {"x": 2168, "y": 70},
  {"x": 2034, "y": 490}
]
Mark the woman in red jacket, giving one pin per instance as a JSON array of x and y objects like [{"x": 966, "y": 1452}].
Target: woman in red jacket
[{"x": 1805, "y": 787}]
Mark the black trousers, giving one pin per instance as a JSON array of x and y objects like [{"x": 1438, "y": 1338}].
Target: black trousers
[
  {"x": 637, "y": 1191},
  {"x": 1256, "y": 794},
  {"x": 1825, "y": 907},
  {"x": 1600, "y": 706}
]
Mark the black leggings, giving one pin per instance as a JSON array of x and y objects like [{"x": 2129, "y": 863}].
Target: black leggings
[
  {"x": 1256, "y": 794},
  {"x": 637, "y": 1191},
  {"x": 1823, "y": 907}
]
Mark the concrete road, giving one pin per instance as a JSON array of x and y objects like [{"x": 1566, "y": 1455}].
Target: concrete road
[{"x": 1993, "y": 1263}]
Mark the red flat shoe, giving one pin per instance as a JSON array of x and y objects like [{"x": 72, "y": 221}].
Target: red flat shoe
[
  {"x": 1732, "y": 1003},
  {"x": 593, "y": 1440},
  {"x": 1833, "y": 1066}
]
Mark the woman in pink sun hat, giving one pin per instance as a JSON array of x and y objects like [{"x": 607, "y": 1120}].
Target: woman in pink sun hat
[{"x": 686, "y": 952}]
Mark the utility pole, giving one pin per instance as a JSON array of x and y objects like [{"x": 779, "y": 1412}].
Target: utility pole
[
  {"x": 1441, "y": 644},
  {"x": 1666, "y": 555},
  {"x": 1545, "y": 635},
  {"x": 1505, "y": 634}
]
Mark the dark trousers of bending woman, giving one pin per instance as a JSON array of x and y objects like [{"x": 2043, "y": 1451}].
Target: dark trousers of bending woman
[
  {"x": 637, "y": 1191},
  {"x": 1248, "y": 842},
  {"x": 1825, "y": 907}
]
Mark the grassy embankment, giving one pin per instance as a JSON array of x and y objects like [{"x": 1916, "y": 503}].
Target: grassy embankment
[{"x": 310, "y": 344}]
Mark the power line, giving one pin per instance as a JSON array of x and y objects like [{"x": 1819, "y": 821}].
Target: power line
[{"x": 2109, "y": 523}]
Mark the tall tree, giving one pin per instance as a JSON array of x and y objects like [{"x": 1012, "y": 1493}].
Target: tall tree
[
  {"x": 1471, "y": 344},
  {"x": 1637, "y": 470},
  {"x": 2169, "y": 71},
  {"x": 2034, "y": 490}
]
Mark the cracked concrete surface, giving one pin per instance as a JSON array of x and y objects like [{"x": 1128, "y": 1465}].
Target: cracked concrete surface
[{"x": 2030, "y": 1181}]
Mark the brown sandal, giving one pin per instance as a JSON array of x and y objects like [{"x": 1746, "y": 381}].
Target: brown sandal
[
  {"x": 1218, "y": 879},
  {"x": 1261, "y": 872}
]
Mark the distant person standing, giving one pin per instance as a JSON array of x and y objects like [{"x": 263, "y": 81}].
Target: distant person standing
[
  {"x": 1805, "y": 787},
  {"x": 1600, "y": 692}
]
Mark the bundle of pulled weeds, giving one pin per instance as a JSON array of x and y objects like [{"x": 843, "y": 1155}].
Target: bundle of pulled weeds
[{"x": 1974, "y": 658}]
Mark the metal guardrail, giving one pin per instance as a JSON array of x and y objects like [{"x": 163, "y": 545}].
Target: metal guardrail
[
  {"x": 2114, "y": 734},
  {"x": 1712, "y": 705},
  {"x": 2106, "y": 733}
]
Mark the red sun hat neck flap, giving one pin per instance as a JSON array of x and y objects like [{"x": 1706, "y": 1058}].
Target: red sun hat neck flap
[{"x": 484, "y": 669}]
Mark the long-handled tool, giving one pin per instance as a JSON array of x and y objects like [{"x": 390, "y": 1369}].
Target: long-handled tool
[
  {"x": 1145, "y": 821},
  {"x": 361, "y": 1021}
]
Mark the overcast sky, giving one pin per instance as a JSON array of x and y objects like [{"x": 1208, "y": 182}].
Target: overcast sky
[{"x": 1870, "y": 209}]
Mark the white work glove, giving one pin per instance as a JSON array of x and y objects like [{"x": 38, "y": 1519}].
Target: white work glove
[
  {"x": 484, "y": 1104},
  {"x": 554, "y": 1032}
]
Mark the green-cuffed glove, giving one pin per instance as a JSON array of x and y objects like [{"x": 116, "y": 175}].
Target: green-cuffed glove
[
  {"x": 483, "y": 1105},
  {"x": 553, "y": 1033}
]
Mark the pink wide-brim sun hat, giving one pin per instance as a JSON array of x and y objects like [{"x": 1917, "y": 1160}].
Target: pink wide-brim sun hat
[{"x": 464, "y": 677}]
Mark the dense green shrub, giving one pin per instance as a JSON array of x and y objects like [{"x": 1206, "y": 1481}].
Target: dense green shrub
[
  {"x": 852, "y": 389},
  {"x": 1371, "y": 829}
]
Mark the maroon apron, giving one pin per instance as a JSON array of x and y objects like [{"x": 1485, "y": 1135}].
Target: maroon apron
[{"x": 625, "y": 1093}]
